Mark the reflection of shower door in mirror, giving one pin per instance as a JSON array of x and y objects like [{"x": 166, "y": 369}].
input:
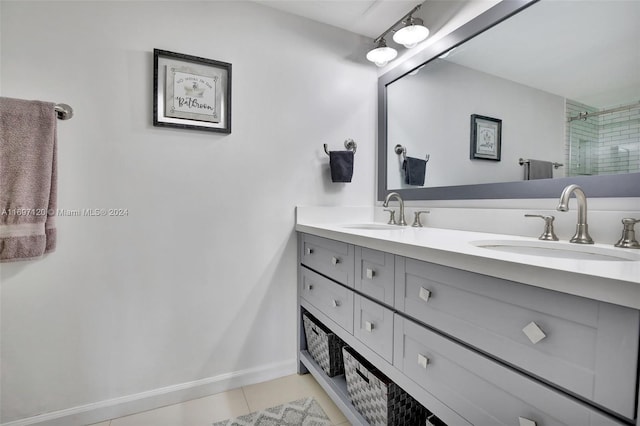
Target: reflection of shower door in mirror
[{"x": 583, "y": 166}]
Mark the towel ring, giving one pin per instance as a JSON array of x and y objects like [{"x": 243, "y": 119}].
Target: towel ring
[
  {"x": 350, "y": 144},
  {"x": 399, "y": 149}
]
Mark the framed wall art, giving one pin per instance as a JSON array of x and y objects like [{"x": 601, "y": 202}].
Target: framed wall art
[
  {"x": 486, "y": 138},
  {"x": 190, "y": 92}
]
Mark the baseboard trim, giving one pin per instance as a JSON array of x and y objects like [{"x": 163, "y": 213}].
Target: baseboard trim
[{"x": 122, "y": 406}]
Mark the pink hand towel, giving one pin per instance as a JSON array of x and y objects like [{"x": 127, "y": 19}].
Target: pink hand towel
[{"x": 27, "y": 179}]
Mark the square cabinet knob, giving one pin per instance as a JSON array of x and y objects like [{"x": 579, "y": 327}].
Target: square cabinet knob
[
  {"x": 423, "y": 361},
  {"x": 533, "y": 332},
  {"x": 335, "y": 260},
  {"x": 368, "y": 326},
  {"x": 424, "y": 294},
  {"x": 370, "y": 273},
  {"x": 526, "y": 422}
]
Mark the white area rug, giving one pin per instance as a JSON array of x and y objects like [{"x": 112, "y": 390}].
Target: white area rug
[{"x": 303, "y": 412}]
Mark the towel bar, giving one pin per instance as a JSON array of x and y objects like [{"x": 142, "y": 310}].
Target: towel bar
[
  {"x": 349, "y": 144},
  {"x": 522, "y": 162},
  {"x": 63, "y": 111}
]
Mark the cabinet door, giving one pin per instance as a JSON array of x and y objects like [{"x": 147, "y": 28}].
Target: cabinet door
[
  {"x": 333, "y": 300},
  {"x": 481, "y": 390},
  {"x": 587, "y": 347},
  {"x": 375, "y": 274},
  {"x": 373, "y": 326},
  {"x": 331, "y": 258}
]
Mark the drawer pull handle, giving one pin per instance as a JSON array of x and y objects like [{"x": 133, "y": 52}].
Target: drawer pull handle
[
  {"x": 370, "y": 273},
  {"x": 533, "y": 332},
  {"x": 335, "y": 260},
  {"x": 309, "y": 251},
  {"x": 423, "y": 361},
  {"x": 424, "y": 294},
  {"x": 369, "y": 326},
  {"x": 526, "y": 422},
  {"x": 335, "y": 303},
  {"x": 361, "y": 374}
]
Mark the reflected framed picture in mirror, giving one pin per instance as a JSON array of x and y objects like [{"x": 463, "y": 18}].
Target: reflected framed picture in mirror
[{"x": 486, "y": 138}]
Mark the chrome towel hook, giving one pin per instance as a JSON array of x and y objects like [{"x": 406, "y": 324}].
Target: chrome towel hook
[
  {"x": 349, "y": 144},
  {"x": 399, "y": 149}
]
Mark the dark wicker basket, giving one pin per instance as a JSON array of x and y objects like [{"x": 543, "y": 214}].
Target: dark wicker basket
[
  {"x": 378, "y": 399},
  {"x": 323, "y": 345}
]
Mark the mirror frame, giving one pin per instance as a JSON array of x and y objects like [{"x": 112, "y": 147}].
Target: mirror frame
[{"x": 621, "y": 185}]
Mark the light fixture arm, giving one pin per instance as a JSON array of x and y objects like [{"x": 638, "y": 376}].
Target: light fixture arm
[{"x": 391, "y": 28}]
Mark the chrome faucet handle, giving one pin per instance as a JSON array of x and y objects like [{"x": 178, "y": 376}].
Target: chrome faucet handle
[
  {"x": 547, "y": 234},
  {"x": 392, "y": 217},
  {"x": 416, "y": 218},
  {"x": 628, "y": 239}
]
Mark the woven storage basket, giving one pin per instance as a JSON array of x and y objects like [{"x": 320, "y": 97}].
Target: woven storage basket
[
  {"x": 376, "y": 397},
  {"x": 323, "y": 345}
]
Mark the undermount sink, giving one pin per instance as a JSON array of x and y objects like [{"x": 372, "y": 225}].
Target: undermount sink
[
  {"x": 372, "y": 226},
  {"x": 559, "y": 250}
]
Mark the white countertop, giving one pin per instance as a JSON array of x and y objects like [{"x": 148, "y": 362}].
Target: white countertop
[{"x": 616, "y": 282}]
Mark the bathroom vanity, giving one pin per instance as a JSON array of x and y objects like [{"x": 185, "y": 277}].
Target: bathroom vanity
[{"x": 478, "y": 336}]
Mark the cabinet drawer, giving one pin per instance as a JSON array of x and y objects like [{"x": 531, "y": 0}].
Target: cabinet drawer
[
  {"x": 375, "y": 274},
  {"x": 373, "y": 326},
  {"x": 587, "y": 347},
  {"x": 334, "y": 259},
  {"x": 483, "y": 391},
  {"x": 333, "y": 300}
]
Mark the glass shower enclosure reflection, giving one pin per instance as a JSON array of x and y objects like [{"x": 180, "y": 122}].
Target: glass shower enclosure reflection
[{"x": 603, "y": 142}]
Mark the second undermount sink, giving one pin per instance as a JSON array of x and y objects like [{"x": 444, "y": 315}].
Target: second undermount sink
[
  {"x": 559, "y": 250},
  {"x": 371, "y": 226}
]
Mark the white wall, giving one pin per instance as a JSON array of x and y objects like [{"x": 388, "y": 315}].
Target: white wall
[
  {"x": 199, "y": 280},
  {"x": 432, "y": 116}
]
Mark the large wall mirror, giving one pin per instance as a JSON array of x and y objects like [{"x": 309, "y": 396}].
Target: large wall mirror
[{"x": 519, "y": 102}]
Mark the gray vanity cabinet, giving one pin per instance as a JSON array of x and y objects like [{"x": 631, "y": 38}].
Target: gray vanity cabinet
[
  {"x": 479, "y": 389},
  {"x": 331, "y": 258},
  {"x": 473, "y": 349},
  {"x": 332, "y": 299},
  {"x": 373, "y": 326},
  {"x": 375, "y": 274},
  {"x": 584, "y": 346}
]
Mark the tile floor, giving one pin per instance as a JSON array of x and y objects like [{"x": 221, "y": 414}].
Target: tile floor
[{"x": 234, "y": 403}]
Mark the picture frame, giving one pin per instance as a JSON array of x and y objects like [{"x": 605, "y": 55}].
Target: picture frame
[
  {"x": 190, "y": 92},
  {"x": 486, "y": 138}
]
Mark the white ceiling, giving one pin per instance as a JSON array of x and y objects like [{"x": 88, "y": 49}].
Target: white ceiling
[{"x": 365, "y": 17}]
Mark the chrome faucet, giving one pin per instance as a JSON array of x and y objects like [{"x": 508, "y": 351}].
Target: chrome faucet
[
  {"x": 582, "y": 232},
  {"x": 401, "y": 220}
]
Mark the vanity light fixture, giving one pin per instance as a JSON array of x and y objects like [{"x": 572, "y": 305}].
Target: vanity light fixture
[
  {"x": 412, "y": 32},
  {"x": 382, "y": 54}
]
